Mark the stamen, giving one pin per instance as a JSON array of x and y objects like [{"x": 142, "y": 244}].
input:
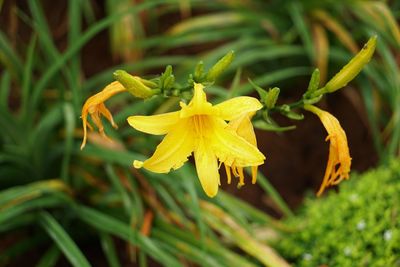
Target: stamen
[
  {"x": 228, "y": 174},
  {"x": 241, "y": 176},
  {"x": 254, "y": 170},
  {"x": 235, "y": 171}
]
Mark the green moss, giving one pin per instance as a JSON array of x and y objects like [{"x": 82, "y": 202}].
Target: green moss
[{"x": 359, "y": 226}]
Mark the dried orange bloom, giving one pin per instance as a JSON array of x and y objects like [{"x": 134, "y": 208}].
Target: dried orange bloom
[
  {"x": 201, "y": 128},
  {"x": 242, "y": 127},
  {"x": 339, "y": 160},
  {"x": 95, "y": 107}
]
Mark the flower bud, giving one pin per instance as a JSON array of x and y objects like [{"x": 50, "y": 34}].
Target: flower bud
[
  {"x": 134, "y": 84},
  {"x": 272, "y": 97},
  {"x": 348, "y": 72},
  {"x": 220, "y": 66}
]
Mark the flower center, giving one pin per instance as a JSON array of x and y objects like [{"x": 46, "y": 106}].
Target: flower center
[{"x": 200, "y": 124}]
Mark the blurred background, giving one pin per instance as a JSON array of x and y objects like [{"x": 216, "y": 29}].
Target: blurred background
[{"x": 60, "y": 206}]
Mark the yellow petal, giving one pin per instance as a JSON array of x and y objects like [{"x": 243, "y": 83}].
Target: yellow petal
[
  {"x": 339, "y": 161},
  {"x": 232, "y": 108},
  {"x": 198, "y": 105},
  {"x": 173, "y": 151},
  {"x": 207, "y": 168},
  {"x": 199, "y": 96},
  {"x": 243, "y": 127},
  {"x": 231, "y": 148},
  {"x": 156, "y": 124}
]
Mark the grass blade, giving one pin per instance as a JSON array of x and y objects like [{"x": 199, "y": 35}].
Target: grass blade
[
  {"x": 271, "y": 191},
  {"x": 50, "y": 257},
  {"x": 69, "y": 118},
  {"x": 113, "y": 226},
  {"x": 295, "y": 11},
  {"x": 9, "y": 58},
  {"x": 84, "y": 38},
  {"x": 63, "y": 240},
  {"x": 108, "y": 247}
]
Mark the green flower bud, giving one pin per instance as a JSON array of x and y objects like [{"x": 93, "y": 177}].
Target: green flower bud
[
  {"x": 314, "y": 81},
  {"x": 167, "y": 79},
  {"x": 272, "y": 97},
  {"x": 220, "y": 66},
  {"x": 199, "y": 72},
  {"x": 348, "y": 72},
  {"x": 134, "y": 84}
]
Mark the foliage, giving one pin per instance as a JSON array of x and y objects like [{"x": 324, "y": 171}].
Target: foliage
[
  {"x": 61, "y": 204},
  {"x": 277, "y": 42},
  {"x": 359, "y": 224}
]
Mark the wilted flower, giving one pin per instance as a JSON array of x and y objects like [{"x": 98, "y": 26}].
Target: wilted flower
[
  {"x": 201, "y": 128},
  {"x": 94, "y": 106},
  {"x": 339, "y": 160},
  {"x": 242, "y": 127}
]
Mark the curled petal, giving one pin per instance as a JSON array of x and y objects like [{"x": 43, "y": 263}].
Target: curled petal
[
  {"x": 207, "y": 168},
  {"x": 233, "y": 149},
  {"x": 155, "y": 124},
  {"x": 339, "y": 161},
  {"x": 107, "y": 114},
  {"x": 94, "y": 106},
  {"x": 243, "y": 127},
  {"x": 172, "y": 152},
  {"x": 232, "y": 108}
]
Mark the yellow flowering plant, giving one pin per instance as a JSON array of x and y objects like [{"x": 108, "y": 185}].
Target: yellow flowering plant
[{"x": 223, "y": 133}]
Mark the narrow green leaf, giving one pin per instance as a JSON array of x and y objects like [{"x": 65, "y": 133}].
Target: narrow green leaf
[
  {"x": 116, "y": 182},
  {"x": 75, "y": 21},
  {"x": 84, "y": 38},
  {"x": 22, "y": 220},
  {"x": 9, "y": 58},
  {"x": 212, "y": 247},
  {"x": 50, "y": 257},
  {"x": 275, "y": 196},
  {"x": 273, "y": 78},
  {"x": 299, "y": 21},
  {"x": 123, "y": 158},
  {"x": 113, "y": 226},
  {"x": 63, "y": 240},
  {"x": 108, "y": 247},
  {"x": 46, "y": 40},
  {"x": 13, "y": 213},
  {"x": 194, "y": 253},
  {"x": 29, "y": 191},
  {"x": 69, "y": 118},
  {"x": 5, "y": 88},
  {"x": 27, "y": 76}
]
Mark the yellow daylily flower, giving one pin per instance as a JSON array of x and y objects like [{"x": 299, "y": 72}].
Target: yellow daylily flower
[
  {"x": 339, "y": 160},
  {"x": 243, "y": 127},
  {"x": 94, "y": 106},
  {"x": 201, "y": 128}
]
